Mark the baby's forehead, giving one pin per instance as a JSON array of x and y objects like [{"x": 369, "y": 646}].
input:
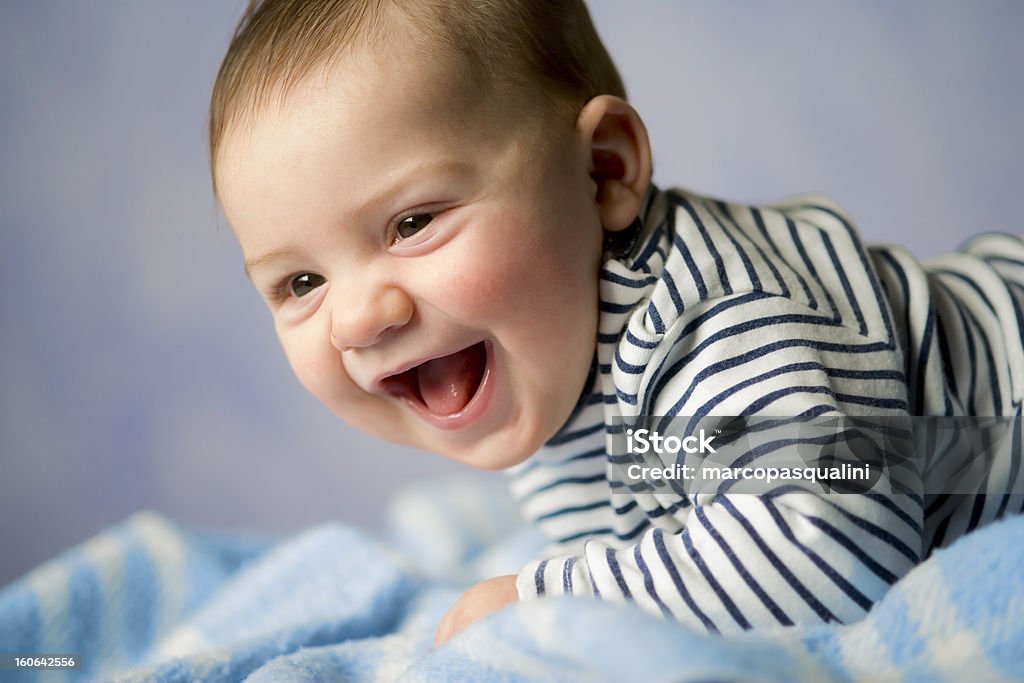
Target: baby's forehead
[{"x": 359, "y": 123}]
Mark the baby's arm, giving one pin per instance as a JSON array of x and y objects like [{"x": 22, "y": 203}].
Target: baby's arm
[{"x": 746, "y": 561}]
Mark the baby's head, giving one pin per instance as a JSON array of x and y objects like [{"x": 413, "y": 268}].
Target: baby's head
[{"x": 421, "y": 190}]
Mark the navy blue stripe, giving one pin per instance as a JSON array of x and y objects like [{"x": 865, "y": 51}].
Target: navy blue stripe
[
  {"x": 567, "y": 437},
  {"x": 813, "y": 270},
  {"x": 586, "y": 533},
  {"x": 677, "y": 581},
  {"x": 940, "y": 532},
  {"x": 563, "y": 481},
  {"x": 628, "y": 399},
  {"x": 798, "y": 243},
  {"x": 971, "y": 352},
  {"x": 649, "y": 581},
  {"x": 639, "y": 529},
  {"x": 613, "y": 567},
  {"x": 915, "y": 371},
  {"x": 673, "y": 291},
  {"x": 615, "y": 278},
  {"x": 610, "y": 307},
  {"x": 538, "y": 578},
  {"x": 585, "y": 455},
  {"x": 751, "y": 582},
  {"x": 976, "y": 509},
  {"x": 573, "y": 509},
  {"x": 845, "y": 282},
  {"x": 723, "y": 277},
  {"x": 652, "y": 247},
  {"x": 567, "y": 575},
  {"x": 947, "y": 360},
  {"x": 924, "y": 350},
  {"x": 755, "y": 281},
  {"x": 1004, "y": 259},
  {"x": 1017, "y": 446},
  {"x": 684, "y": 251},
  {"x": 639, "y": 342},
  {"x": 608, "y": 531},
  {"x": 628, "y": 507},
  {"x": 627, "y": 368},
  {"x": 655, "y": 317}
]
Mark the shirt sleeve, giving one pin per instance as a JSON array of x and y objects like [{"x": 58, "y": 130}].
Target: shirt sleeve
[{"x": 745, "y": 561}]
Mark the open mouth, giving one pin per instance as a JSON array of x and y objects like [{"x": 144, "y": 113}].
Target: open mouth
[{"x": 445, "y": 385}]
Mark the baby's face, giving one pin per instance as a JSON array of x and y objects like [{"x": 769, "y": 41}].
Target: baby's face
[{"x": 430, "y": 258}]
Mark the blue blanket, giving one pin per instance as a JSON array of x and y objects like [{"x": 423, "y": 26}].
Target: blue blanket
[{"x": 150, "y": 600}]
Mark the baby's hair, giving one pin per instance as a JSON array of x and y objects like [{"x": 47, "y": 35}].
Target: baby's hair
[{"x": 544, "y": 47}]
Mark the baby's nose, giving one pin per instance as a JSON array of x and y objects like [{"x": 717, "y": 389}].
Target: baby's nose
[{"x": 361, "y": 323}]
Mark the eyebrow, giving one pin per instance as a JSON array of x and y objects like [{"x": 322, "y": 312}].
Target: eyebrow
[
  {"x": 274, "y": 254},
  {"x": 386, "y": 194}
]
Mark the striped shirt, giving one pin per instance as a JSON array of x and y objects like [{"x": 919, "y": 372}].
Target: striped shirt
[{"x": 724, "y": 309}]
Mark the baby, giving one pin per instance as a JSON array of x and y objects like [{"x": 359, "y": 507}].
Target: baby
[{"x": 448, "y": 208}]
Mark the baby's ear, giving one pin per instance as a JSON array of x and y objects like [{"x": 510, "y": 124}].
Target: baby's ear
[{"x": 620, "y": 158}]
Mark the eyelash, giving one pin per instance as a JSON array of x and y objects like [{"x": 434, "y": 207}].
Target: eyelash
[
  {"x": 282, "y": 289},
  {"x": 396, "y": 238}
]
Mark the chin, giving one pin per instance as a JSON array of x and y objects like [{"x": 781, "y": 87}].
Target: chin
[
  {"x": 495, "y": 454},
  {"x": 491, "y": 465}
]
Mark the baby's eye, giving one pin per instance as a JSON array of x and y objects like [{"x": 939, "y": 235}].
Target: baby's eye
[
  {"x": 408, "y": 227},
  {"x": 303, "y": 284}
]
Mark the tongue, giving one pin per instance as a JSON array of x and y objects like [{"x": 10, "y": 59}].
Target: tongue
[{"x": 447, "y": 384}]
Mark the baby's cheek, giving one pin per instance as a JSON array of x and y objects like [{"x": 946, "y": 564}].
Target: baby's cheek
[
  {"x": 508, "y": 280},
  {"x": 480, "y": 286},
  {"x": 318, "y": 367}
]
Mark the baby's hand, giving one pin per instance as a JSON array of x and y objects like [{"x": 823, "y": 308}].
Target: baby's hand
[{"x": 482, "y": 599}]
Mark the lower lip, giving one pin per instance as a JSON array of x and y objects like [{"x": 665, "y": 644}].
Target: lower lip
[{"x": 473, "y": 410}]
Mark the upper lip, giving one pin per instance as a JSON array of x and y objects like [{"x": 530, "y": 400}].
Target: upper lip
[{"x": 378, "y": 382}]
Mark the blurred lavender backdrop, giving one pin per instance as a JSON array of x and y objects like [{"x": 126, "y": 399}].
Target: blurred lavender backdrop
[{"x": 139, "y": 369}]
